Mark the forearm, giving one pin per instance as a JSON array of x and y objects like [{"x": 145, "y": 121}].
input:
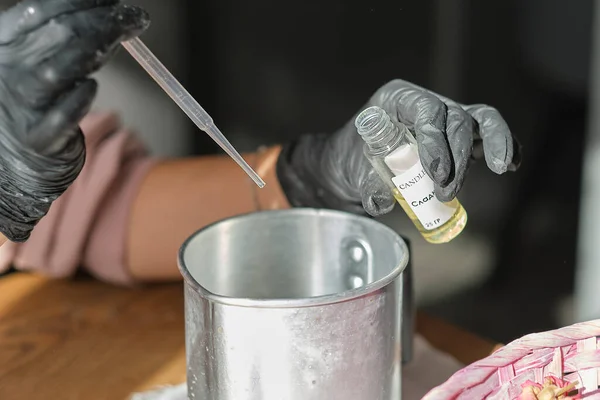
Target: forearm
[{"x": 181, "y": 196}]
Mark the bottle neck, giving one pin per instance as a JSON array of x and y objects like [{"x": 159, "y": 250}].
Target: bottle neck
[{"x": 378, "y": 131}]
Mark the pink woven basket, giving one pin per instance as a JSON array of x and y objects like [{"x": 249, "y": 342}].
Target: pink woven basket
[{"x": 571, "y": 354}]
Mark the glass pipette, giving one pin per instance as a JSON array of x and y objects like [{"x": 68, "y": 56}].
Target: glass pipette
[{"x": 185, "y": 101}]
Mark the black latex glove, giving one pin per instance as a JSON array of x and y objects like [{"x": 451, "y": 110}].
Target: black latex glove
[
  {"x": 48, "y": 49},
  {"x": 331, "y": 171}
]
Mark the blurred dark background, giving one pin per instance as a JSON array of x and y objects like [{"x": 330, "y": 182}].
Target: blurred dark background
[{"x": 269, "y": 70}]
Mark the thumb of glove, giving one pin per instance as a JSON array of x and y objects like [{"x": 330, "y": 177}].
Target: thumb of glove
[{"x": 377, "y": 198}]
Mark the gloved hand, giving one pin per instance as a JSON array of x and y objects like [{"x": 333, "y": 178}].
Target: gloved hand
[
  {"x": 331, "y": 171},
  {"x": 48, "y": 49}
]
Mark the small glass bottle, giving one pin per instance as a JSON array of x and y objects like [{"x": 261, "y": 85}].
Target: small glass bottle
[{"x": 393, "y": 152}]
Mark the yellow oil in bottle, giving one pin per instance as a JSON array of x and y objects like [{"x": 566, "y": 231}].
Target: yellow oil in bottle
[
  {"x": 393, "y": 151},
  {"x": 443, "y": 234}
]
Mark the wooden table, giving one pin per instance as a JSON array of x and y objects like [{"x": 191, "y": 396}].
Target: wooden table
[{"x": 84, "y": 340}]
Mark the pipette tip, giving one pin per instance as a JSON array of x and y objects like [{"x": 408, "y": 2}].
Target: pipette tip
[{"x": 186, "y": 102}]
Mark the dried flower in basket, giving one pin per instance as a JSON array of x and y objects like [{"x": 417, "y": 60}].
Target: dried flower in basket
[
  {"x": 560, "y": 364},
  {"x": 553, "y": 388}
]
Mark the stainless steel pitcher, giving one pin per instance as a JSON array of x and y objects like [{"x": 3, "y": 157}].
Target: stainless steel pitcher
[{"x": 297, "y": 304}]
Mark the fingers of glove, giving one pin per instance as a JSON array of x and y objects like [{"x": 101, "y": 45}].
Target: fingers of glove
[
  {"x": 97, "y": 34},
  {"x": 430, "y": 132},
  {"x": 424, "y": 113},
  {"x": 459, "y": 131},
  {"x": 56, "y": 130},
  {"x": 106, "y": 25},
  {"x": 29, "y": 15},
  {"x": 498, "y": 143},
  {"x": 397, "y": 91},
  {"x": 377, "y": 199},
  {"x": 40, "y": 88}
]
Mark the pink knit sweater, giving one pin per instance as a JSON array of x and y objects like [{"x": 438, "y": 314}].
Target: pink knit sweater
[{"x": 87, "y": 226}]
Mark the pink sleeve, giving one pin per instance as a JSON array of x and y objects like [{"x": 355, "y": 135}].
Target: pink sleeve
[{"x": 87, "y": 226}]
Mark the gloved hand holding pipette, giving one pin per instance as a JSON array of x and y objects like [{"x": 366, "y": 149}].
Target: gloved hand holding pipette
[
  {"x": 127, "y": 213},
  {"x": 47, "y": 51}
]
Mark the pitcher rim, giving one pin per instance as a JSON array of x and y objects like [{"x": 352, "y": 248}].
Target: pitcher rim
[{"x": 333, "y": 298}]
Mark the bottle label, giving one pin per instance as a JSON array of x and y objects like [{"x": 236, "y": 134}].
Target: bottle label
[{"x": 417, "y": 188}]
